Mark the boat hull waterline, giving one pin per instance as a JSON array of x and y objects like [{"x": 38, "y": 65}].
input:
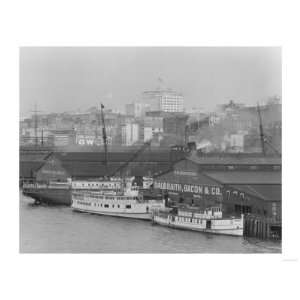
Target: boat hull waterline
[
  {"x": 140, "y": 216},
  {"x": 234, "y": 228}
]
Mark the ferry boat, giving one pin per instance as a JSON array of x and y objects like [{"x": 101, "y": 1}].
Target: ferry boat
[
  {"x": 126, "y": 202},
  {"x": 210, "y": 220},
  {"x": 59, "y": 193}
]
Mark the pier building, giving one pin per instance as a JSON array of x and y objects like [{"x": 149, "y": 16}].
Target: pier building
[{"x": 240, "y": 183}]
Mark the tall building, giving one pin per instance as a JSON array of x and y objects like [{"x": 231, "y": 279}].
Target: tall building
[
  {"x": 148, "y": 133},
  {"x": 165, "y": 100},
  {"x": 137, "y": 109},
  {"x": 175, "y": 124},
  {"x": 130, "y": 134}
]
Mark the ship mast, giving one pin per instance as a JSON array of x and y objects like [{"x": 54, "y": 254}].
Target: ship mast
[
  {"x": 262, "y": 140},
  {"x": 104, "y": 137},
  {"x": 35, "y": 118}
]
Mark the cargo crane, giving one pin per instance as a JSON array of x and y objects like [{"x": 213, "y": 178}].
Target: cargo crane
[
  {"x": 134, "y": 156},
  {"x": 263, "y": 138}
]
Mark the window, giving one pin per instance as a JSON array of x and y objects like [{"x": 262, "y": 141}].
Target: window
[
  {"x": 118, "y": 206},
  {"x": 274, "y": 209},
  {"x": 128, "y": 206},
  {"x": 106, "y": 205}
]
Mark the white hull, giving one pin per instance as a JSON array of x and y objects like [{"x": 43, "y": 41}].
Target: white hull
[
  {"x": 142, "y": 216},
  {"x": 220, "y": 226}
]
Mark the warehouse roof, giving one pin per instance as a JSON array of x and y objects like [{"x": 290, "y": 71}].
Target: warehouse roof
[
  {"x": 114, "y": 156},
  {"x": 27, "y": 168},
  {"x": 265, "y": 192},
  {"x": 245, "y": 177},
  {"x": 98, "y": 169},
  {"x": 200, "y": 179},
  {"x": 234, "y": 159}
]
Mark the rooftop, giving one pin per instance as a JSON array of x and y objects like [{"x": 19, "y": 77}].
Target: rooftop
[
  {"x": 200, "y": 179},
  {"x": 98, "y": 169},
  {"x": 147, "y": 156},
  {"x": 232, "y": 159},
  {"x": 246, "y": 177}
]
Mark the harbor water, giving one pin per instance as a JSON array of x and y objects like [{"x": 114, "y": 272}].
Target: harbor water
[{"x": 59, "y": 229}]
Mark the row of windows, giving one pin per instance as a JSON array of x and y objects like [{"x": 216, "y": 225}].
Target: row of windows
[
  {"x": 101, "y": 197},
  {"x": 96, "y": 184},
  {"x": 191, "y": 220},
  {"x": 84, "y": 203},
  {"x": 171, "y": 103},
  {"x": 127, "y": 206}
]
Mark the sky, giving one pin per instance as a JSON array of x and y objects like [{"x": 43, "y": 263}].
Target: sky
[{"x": 59, "y": 79}]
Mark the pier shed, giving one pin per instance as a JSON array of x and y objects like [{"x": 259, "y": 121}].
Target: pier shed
[
  {"x": 239, "y": 183},
  {"x": 253, "y": 192},
  {"x": 60, "y": 166}
]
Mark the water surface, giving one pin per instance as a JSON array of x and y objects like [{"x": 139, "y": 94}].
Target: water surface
[{"x": 59, "y": 229}]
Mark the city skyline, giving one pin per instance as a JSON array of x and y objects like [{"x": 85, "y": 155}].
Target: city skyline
[{"x": 61, "y": 79}]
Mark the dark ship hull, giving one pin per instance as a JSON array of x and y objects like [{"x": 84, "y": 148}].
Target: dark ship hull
[{"x": 50, "y": 196}]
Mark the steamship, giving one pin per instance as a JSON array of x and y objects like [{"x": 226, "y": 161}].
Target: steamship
[
  {"x": 209, "y": 220},
  {"x": 54, "y": 193},
  {"x": 126, "y": 202}
]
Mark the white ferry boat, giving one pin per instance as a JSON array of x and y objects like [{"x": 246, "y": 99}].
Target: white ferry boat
[
  {"x": 209, "y": 220},
  {"x": 125, "y": 202}
]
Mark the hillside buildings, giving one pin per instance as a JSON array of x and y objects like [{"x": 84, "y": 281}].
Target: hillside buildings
[
  {"x": 130, "y": 134},
  {"x": 159, "y": 115}
]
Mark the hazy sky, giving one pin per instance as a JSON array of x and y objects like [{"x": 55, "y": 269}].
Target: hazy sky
[{"x": 62, "y": 79}]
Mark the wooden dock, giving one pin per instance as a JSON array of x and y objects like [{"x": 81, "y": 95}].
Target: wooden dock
[{"x": 262, "y": 227}]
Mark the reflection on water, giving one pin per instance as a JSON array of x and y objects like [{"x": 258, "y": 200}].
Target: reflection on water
[{"x": 59, "y": 229}]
